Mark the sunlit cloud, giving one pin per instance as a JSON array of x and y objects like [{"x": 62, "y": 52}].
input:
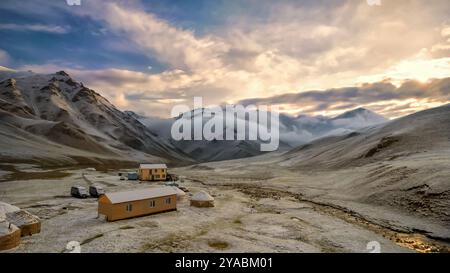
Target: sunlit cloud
[
  {"x": 421, "y": 67},
  {"x": 384, "y": 97},
  {"x": 286, "y": 48}
]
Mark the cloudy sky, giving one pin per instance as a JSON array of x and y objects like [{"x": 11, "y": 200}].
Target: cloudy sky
[{"x": 312, "y": 57}]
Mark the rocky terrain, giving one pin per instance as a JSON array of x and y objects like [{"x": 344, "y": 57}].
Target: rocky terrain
[
  {"x": 395, "y": 175},
  {"x": 55, "y": 120},
  {"x": 243, "y": 220}
]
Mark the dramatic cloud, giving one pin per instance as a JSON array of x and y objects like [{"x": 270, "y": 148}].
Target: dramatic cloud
[
  {"x": 274, "y": 49},
  {"x": 385, "y": 97}
]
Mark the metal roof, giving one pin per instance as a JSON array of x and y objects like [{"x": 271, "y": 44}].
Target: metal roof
[
  {"x": 142, "y": 194},
  {"x": 202, "y": 196},
  {"x": 153, "y": 166},
  {"x": 21, "y": 218}
]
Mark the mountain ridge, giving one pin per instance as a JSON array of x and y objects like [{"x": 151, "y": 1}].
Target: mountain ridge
[
  {"x": 294, "y": 131},
  {"x": 64, "y": 111},
  {"x": 416, "y": 133}
]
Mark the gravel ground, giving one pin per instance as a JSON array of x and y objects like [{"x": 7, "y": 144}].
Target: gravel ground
[{"x": 241, "y": 221}]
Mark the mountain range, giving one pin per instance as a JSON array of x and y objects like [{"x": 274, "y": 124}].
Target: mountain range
[
  {"x": 53, "y": 118},
  {"x": 294, "y": 131},
  {"x": 56, "y": 120}
]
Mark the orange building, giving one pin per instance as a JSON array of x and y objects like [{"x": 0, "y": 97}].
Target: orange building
[
  {"x": 152, "y": 172},
  {"x": 129, "y": 204}
]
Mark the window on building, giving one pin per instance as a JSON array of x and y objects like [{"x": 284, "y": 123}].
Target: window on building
[
  {"x": 129, "y": 207},
  {"x": 152, "y": 203},
  {"x": 168, "y": 200}
]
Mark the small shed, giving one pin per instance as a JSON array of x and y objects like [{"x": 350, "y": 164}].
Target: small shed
[
  {"x": 27, "y": 223},
  {"x": 152, "y": 172},
  {"x": 129, "y": 204},
  {"x": 9, "y": 236},
  {"x": 202, "y": 199}
]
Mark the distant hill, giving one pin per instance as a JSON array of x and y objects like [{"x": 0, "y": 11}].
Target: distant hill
[{"x": 420, "y": 132}]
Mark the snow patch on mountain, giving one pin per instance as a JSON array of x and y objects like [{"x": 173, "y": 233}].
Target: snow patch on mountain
[
  {"x": 294, "y": 131},
  {"x": 71, "y": 116}
]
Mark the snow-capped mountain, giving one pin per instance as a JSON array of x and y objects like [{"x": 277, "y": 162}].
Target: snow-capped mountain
[
  {"x": 358, "y": 118},
  {"x": 203, "y": 150},
  {"x": 303, "y": 129},
  {"x": 294, "y": 131},
  {"x": 53, "y": 116}
]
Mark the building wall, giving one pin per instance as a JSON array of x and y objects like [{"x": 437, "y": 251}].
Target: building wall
[
  {"x": 10, "y": 240},
  {"x": 25, "y": 221},
  {"x": 104, "y": 206},
  {"x": 152, "y": 174},
  {"x": 202, "y": 204},
  {"x": 119, "y": 211},
  {"x": 30, "y": 229}
]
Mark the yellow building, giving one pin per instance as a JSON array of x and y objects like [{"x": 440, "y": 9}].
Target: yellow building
[
  {"x": 152, "y": 172},
  {"x": 129, "y": 204}
]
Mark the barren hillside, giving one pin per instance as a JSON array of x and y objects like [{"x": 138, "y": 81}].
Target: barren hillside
[
  {"x": 54, "y": 118},
  {"x": 395, "y": 175}
]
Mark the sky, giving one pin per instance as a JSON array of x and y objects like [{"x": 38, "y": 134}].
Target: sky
[{"x": 314, "y": 57}]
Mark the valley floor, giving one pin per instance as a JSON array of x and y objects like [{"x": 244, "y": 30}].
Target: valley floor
[{"x": 254, "y": 211}]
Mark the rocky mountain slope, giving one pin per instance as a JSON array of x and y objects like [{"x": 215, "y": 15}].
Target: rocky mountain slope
[{"x": 54, "y": 118}]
